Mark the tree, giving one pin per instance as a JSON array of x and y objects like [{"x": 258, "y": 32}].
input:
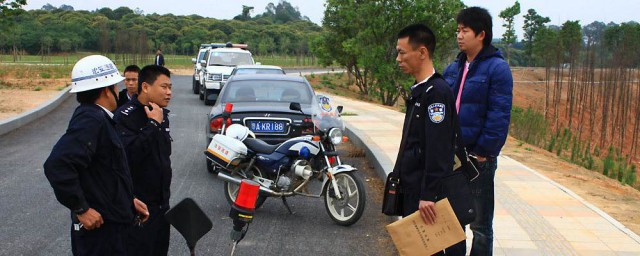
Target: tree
[
  {"x": 65, "y": 7},
  {"x": 121, "y": 12},
  {"x": 283, "y": 12},
  {"x": 64, "y": 44},
  {"x": 571, "y": 38},
  {"x": 8, "y": 11},
  {"x": 11, "y": 5},
  {"x": 546, "y": 51},
  {"x": 361, "y": 36},
  {"x": 508, "y": 15},
  {"x": 594, "y": 31},
  {"x": 48, "y": 7},
  {"x": 246, "y": 13},
  {"x": 533, "y": 22},
  {"x": 107, "y": 12}
]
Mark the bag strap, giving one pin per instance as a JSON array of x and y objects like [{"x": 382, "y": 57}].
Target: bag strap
[
  {"x": 461, "y": 151},
  {"x": 403, "y": 143},
  {"x": 405, "y": 132}
]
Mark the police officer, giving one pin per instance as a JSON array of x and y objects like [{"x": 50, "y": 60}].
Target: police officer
[
  {"x": 130, "y": 83},
  {"x": 143, "y": 126},
  {"x": 427, "y": 147},
  {"x": 87, "y": 167}
]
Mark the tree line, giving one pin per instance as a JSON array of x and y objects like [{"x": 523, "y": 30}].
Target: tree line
[
  {"x": 592, "y": 90},
  {"x": 281, "y": 30}
]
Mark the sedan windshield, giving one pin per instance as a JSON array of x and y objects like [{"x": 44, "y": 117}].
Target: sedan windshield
[
  {"x": 230, "y": 59},
  {"x": 243, "y": 71},
  {"x": 267, "y": 91}
]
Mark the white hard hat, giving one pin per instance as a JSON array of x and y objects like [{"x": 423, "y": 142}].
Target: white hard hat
[
  {"x": 92, "y": 72},
  {"x": 237, "y": 132}
]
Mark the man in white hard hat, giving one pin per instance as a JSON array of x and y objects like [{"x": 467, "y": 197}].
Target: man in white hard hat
[{"x": 87, "y": 168}]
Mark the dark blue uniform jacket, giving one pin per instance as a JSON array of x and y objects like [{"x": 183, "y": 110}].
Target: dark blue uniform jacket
[
  {"x": 148, "y": 147},
  {"x": 429, "y": 148},
  {"x": 88, "y": 168}
]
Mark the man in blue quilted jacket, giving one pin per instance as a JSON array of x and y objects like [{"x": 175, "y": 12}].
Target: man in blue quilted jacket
[{"x": 482, "y": 84}]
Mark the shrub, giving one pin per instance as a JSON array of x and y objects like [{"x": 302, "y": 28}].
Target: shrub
[
  {"x": 608, "y": 163},
  {"x": 631, "y": 177}
]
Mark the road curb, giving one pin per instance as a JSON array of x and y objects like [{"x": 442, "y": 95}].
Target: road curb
[
  {"x": 381, "y": 162},
  {"x": 16, "y": 122}
]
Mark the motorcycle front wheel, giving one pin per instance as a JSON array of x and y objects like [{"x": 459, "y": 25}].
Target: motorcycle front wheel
[
  {"x": 231, "y": 189},
  {"x": 347, "y": 210}
]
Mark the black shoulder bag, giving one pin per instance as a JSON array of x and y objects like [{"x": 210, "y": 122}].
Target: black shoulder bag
[{"x": 455, "y": 186}]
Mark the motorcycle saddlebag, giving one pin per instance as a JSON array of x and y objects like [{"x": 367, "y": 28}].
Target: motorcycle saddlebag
[{"x": 225, "y": 151}]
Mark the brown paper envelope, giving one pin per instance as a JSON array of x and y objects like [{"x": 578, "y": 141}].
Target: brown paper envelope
[{"x": 412, "y": 236}]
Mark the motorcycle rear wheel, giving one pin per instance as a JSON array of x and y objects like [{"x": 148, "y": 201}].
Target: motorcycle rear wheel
[
  {"x": 348, "y": 210},
  {"x": 231, "y": 189}
]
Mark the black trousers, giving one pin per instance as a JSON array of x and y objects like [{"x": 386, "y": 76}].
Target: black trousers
[
  {"x": 109, "y": 239},
  {"x": 153, "y": 237}
]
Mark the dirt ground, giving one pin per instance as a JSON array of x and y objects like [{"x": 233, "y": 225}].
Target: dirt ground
[
  {"x": 23, "y": 94},
  {"x": 15, "y": 102},
  {"x": 19, "y": 95}
]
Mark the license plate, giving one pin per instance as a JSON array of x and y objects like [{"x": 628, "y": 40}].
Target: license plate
[{"x": 267, "y": 126}]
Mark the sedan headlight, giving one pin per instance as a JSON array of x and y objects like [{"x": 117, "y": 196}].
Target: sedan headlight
[{"x": 335, "y": 135}]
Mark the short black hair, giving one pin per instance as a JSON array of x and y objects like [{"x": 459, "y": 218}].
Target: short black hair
[
  {"x": 132, "y": 68},
  {"x": 478, "y": 19},
  {"x": 150, "y": 73},
  {"x": 90, "y": 96},
  {"x": 419, "y": 34}
]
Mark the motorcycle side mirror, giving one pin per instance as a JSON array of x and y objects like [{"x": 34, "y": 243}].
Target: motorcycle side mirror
[
  {"x": 295, "y": 106},
  {"x": 340, "y": 109}
]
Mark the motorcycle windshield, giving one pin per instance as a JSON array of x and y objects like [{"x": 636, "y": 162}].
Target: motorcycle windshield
[{"x": 325, "y": 116}]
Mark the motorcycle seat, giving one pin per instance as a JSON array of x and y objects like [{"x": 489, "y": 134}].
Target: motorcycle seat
[{"x": 260, "y": 146}]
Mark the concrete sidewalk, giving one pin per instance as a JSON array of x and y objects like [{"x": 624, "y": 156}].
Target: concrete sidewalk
[{"x": 534, "y": 215}]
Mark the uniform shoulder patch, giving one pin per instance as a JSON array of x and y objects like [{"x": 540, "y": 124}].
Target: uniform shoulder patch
[{"x": 436, "y": 112}]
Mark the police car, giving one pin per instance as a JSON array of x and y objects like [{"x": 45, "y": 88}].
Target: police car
[{"x": 217, "y": 66}]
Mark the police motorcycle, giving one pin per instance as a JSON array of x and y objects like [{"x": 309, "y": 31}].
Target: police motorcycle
[{"x": 308, "y": 165}]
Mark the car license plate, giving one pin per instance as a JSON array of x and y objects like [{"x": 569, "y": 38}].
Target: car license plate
[{"x": 267, "y": 126}]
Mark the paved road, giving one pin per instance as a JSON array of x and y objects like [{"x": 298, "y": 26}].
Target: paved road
[{"x": 34, "y": 223}]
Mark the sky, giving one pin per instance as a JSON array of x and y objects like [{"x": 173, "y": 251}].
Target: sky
[{"x": 558, "y": 11}]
